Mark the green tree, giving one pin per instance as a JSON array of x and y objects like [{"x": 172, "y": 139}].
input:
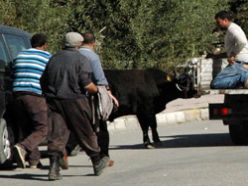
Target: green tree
[
  {"x": 7, "y": 12},
  {"x": 37, "y": 16},
  {"x": 171, "y": 31},
  {"x": 146, "y": 33},
  {"x": 131, "y": 33},
  {"x": 111, "y": 24},
  {"x": 240, "y": 10}
]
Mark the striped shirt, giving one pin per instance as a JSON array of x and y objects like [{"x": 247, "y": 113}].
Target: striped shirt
[{"x": 28, "y": 68}]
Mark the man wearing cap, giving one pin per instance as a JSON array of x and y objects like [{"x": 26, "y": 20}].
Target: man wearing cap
[{"x": 65, "y": 82}]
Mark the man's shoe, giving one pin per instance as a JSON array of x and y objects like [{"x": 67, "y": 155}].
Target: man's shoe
[
  {"x": 20, "y": 154},
  {"x": 75, "y": 151},
  {"x": 246, "y": 83},
  {"x": 63, "y": 162},
  {"x": 54, "y": 170},
  {"x": 100, "y": 166},
  {"x": 35, "y": 164},
  {"x": 110, "y": 162}
]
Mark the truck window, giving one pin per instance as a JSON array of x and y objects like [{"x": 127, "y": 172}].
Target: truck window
[
  {"x": 3, "y": 54},
  {"x": 16, "y": 44}
]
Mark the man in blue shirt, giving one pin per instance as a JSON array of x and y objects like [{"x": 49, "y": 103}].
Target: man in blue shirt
[
  {"x": 30, "y": 105},
  {"x": 88, "y": 50}
]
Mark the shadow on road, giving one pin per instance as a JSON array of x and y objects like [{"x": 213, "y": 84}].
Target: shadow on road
[
  {"x": 37, "y": 177},
  {"x": 184, "y": 141}
]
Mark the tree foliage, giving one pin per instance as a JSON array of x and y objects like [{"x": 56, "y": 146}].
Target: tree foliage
[
  {"x": 36, "y": 16},
  {"x": 130, "y": 33},
  {"x": 240, "y": 9}
]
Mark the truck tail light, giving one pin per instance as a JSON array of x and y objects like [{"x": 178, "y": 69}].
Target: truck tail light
[{"x": 224, "y": 111}]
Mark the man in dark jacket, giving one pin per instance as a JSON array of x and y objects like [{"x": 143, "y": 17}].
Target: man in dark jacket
[{"x": 65, "y": 82}]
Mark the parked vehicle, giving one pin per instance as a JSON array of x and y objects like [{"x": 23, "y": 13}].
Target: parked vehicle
[
  {"x": 12, "y": 41},
  {"x": 234, "y": 111}
]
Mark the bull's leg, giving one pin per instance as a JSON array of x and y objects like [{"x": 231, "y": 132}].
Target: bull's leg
[
  {"x": 153, "y": 125},
  {"x": 144, "y": 126},
  {"x": 155, "y": 136}
]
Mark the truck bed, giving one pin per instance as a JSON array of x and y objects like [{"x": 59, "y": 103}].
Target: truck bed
[
  {"x": 227, "y": 91},
  {"x": 204, "y": 70}
]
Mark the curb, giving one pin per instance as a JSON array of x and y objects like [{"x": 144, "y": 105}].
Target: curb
[{"x": 163, "y": 118}]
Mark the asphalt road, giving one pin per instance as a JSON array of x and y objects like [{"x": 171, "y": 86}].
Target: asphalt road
[{"x": 192, "y": 154}]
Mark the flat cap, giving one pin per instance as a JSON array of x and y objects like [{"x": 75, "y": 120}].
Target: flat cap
[{"x": 73, "y": 39}]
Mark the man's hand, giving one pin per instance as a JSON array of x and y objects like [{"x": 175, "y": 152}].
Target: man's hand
[
  {"x": 231, "y": 58},
  {"x": 116, "y": 102},
  {"x": 91, "y": 88}
]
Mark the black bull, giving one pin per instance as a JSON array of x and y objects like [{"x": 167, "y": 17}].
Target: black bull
[{"x": 145, "y": 93}]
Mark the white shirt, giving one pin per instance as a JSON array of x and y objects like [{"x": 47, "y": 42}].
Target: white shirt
[{"x": 236, "y": 42}]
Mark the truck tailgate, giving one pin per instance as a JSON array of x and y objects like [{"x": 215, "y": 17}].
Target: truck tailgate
[
  {"x": 227, "y": 91},
  {"x": 228, "y": 111}
]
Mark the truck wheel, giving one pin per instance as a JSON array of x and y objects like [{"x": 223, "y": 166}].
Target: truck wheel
[
  {"x": 6, "y": 144},
  {"x": 239, "y": 134}
]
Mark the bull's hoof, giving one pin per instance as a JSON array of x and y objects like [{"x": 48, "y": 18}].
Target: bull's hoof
[
  {"x": 149, "y": 146},
  {"x": 158, "y": 144},
  {"x": 156, "y": 140}
]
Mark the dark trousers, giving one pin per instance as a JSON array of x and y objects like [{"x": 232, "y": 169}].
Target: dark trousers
[
  {"x": 77, "y": 117},
  {"x": 232, "y": 76},
  {"x": 31, "y": 116},
  {"x": 101, "y": 129},
  {"x": 58, "y": 134},
  {"x": 103, "y": 138}
]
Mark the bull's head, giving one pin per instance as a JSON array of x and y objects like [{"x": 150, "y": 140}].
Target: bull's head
[{"x": 184, "y": 83}]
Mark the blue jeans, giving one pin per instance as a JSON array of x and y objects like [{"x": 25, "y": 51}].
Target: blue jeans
[{"x": 232, "y": 76}]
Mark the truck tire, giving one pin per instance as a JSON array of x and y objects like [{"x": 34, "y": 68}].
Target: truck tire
[
  {"x": 239, "y": 133},
  {"x": 6, "y": 144}
]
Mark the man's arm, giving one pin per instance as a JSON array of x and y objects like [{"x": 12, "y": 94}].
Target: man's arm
[
  {"x": 98, "y": 73},
  {"x": 240, "y": 42},
  {"x": 116, "y": 102}
]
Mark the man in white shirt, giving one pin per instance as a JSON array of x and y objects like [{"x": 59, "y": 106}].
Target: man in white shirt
[{"x": 236, "y": 45}]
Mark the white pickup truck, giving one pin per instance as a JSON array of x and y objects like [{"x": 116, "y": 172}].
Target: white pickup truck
[{"x": 234, "y": 111}]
